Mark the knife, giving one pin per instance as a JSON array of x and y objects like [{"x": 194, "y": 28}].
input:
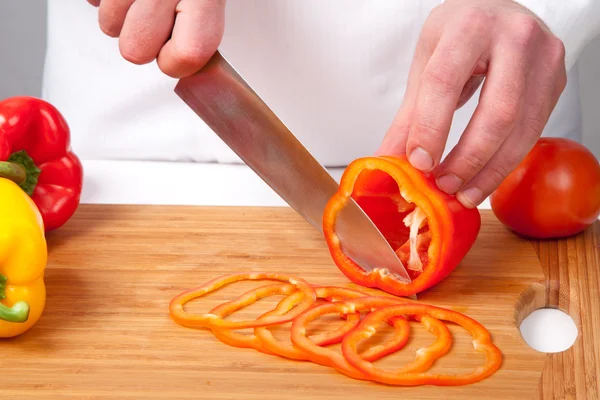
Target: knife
[{"x": 229, "y": 106}]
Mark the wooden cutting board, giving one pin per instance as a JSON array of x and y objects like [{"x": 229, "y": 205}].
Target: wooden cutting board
[{"x": 106, "y": 332}]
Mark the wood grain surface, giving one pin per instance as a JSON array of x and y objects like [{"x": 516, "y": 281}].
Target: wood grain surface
[
  {"x": 106, "y": 331},
  {"x": 572, "y": 268}
]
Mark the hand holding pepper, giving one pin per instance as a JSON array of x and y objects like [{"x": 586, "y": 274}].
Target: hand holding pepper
[{"x": 461, "y": 42}]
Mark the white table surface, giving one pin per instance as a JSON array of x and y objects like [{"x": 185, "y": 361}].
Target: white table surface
[{"x": 142, "y": 182}]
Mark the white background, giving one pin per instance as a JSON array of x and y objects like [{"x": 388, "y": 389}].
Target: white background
[{"x": 22, "y": 46}]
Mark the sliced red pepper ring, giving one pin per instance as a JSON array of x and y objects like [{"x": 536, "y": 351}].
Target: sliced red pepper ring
[
  {"x": 482, "y": 342},
  {"x": 334, "y": 294},
  {"x": 429, "y": 230},
  {"x": 264, "y": 341},
  {"x": 326, "y": 356},
  {"x": 397, "y": 342},
  {"x": 212, "y": 321},
  {"x": 348, "y": 304},
  {"x": 235, "y": 339},
  {"x": 426, "y": 356},
  {"x": 331, "y": 293}
]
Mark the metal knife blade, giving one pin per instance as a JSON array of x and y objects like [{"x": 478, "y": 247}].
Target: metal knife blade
[{"x": 229, "y": 106}]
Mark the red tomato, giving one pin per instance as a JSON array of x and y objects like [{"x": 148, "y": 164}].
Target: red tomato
[{"x": 554, "y": 192}]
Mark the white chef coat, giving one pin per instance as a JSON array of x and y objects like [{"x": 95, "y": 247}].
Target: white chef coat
[{"x": 333, "y": 70}]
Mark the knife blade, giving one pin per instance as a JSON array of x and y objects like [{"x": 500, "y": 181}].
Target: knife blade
[{"x": 231, "y": 108}]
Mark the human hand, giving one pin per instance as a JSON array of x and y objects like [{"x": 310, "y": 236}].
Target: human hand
[
  {"x": 182, "y": 35},
  {"x": 461, "y": 42}
]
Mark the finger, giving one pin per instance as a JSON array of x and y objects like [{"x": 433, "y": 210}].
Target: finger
[
  {"x": 95, "y": 3},
  {"x": 111, "y": 15},
  {"x": 505, "y": 160},
  {"x": 394, "y": 141},
  {"x": 495, "y": 117},
  {"x": 146, "y": 30},
  {"x": 442, "y": 82},
  {"x": 197, "y": 34},
  {"x": 542, "y": 97}
]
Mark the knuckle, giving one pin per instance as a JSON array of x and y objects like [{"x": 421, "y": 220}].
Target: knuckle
[
  {"x": 557, "y": 52},
  {"x": 427, "y": 132},
  {"x": 533, "y": 126},
  {"x": 401, "y": 127},
  {"x": 474, "y": 161},
  {"x": 197, "y": 56},
  {"x": 497, "y": 172},
  {"x": 475, "y": 19},
  {"x": 472, "y": 14},
  {"x": 562, "y": 81},
  {"x": 504, "y": 111},
  {"x": 442, "y": 78},
  {"x": 179, "y": 62},
  {"x": 526, "y": 30}
]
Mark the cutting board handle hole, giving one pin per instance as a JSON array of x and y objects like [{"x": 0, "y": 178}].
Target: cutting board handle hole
[{"x": 546, "y": 317}]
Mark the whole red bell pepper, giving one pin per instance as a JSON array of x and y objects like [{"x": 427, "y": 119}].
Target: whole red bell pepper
[
  {"x": 429, "y": 230},
  {"x": 35, "y": 152}
]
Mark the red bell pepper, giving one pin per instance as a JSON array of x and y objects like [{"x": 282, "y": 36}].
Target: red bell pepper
[
  {"x": 429, "y": 230},
  {"x": 35, "y": 152}
]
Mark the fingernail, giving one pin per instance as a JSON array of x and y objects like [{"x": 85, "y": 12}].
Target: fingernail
[
  {"x": 449, "y": 183},
  {"x": 469, "y": 197},
  {"x": 420, "y": 159}
]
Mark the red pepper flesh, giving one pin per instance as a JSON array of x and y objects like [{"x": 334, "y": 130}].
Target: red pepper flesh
[
  {"x": 397, "y": 197},
  {"x": 397, "y": 342},
  {"x": 35, "y": 135},
  {"x": 301, "y": 306},
  {"x": 212, "y": 321},
  {"x": 328, "y": 357},
  {"x": 263, "y": 340},
  {"x": 416, "y": 374},
  {"x": 269, "y": 342},
  {"x": 235, "y": 339}
]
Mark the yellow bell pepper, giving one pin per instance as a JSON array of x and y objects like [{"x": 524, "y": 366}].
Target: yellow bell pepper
[{"x": 23, "y": 257}]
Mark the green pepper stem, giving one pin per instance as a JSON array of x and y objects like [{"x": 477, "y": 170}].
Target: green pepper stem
[
  {"x": 21, "y": 169},
  {"x": 13, "y": 171},
  {"x": 18, "y": 313}
]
